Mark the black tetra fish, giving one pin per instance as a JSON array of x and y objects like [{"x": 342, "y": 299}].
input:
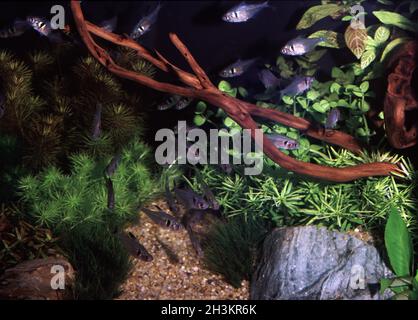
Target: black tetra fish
[
  {"x": 170, "y": 199},
  {"x": 134, "y": 247},
  {"x": 195, "y": 241},
  {"x": 163, "y": 219},
  {"x": 113, "y": 165},
  {"x": 210, "y": 197},
  {"x": 97, "y": 122},
  {"x": 190, "y": 199},
  {"x": 110, "y": 194}
]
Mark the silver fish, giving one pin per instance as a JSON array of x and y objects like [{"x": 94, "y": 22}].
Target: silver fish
[
  {"x": 110, "y": 24},
  {"x": 40, "y": 25},
  {"x": 169, "y": 103},
  {"x": 243, "y": 12},
  {"x": 97, "y": 122},
  {"x": 268, "y": 79},
  {"x": 298, "y": 86},
  {"x": 183, "y": 103},
  {"x": 144, "y": 25},
  {"x": 163, "y": 219},
  {"x": 43, "y": 27},
  {"x": 333, "y": 118},
  {"x": 190, "y": 199},
  {"x": 300, "y": 46},
  {"x": 134, "y": 247},
  {"x": 18, "y": 28},
  {"x": 113, "y": 165},
  {"x": 236, "y": 69},
  {"x": 283, "y": 142}
]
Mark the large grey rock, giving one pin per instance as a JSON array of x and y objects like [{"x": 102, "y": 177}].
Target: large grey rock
[{"x": 315, "y": 263}]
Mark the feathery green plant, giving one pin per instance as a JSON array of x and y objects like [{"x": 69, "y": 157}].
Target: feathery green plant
[{"x": 74, "y": 206}]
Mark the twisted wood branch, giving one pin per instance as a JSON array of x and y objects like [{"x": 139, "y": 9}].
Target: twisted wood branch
[{"x": 200, "y": 87}]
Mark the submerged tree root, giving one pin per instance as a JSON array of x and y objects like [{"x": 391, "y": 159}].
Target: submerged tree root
[{"x": 199, "y": 86}]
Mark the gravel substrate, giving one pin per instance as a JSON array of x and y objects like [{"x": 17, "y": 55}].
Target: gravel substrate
[{"x": 177, "y": 275}]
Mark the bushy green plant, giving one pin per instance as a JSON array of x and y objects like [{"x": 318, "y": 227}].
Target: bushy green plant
[
  {"x": 75, "y": 206},
  {"x": 289, "y": 199},
  {"x": 50, "y": 105}
]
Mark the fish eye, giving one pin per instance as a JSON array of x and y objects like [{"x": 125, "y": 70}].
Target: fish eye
[{"x": 167, "y": 223}]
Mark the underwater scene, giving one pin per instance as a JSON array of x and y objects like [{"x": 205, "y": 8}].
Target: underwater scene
[{"x": 209, "y": 150}]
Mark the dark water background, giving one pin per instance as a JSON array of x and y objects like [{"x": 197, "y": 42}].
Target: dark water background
[{"x": 213, "y": 42}]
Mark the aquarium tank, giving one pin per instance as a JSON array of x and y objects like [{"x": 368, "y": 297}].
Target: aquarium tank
[{"x": 209, "y": 150}]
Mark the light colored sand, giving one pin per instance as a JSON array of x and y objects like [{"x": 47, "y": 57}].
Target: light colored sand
[{"x": 162, "y": 279}]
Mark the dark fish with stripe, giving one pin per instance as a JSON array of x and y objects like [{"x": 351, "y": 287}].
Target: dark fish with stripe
[
  {"x": 134, "y": 247},
  {"x": 237, "y": 68},
  {"x": 144, "y": 25},
  {"x": 97, "y": 122},
  {"x": 2, "y": 105},
  {"x": 170, "y": 199},
  {"x": 333, "y": 117},
  {"x": 169, "y": 103},
  {"x": 16, "y": 29},
  {"x": 163, "y": 219},
  {"x": 195, "y": 241},
  {"x": 210, "y": 197},
  {"x": 184, "y": 102},
  {"x": 110, "y": 194},
  {"x": 243, "y": 12},
  {"x": 113, "y": 165},
  {"x": 190, "y": 199},
  {"x": 283, "y": 142}
]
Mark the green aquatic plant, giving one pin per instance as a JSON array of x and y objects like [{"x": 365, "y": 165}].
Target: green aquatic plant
[
  {"x": 231, "y": 248},
  {"x": 400, "y": 251},
  {"x": 288, "y": 199},
  {"x": 74, "y": 206},
  {"x": 21, "y": 239},
  {"x": 50, "y": 105}
]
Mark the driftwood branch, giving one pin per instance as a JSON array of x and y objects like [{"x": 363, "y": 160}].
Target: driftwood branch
[
  {"x": 200, "y": 87},
  {"x": 401, "y": 100}
]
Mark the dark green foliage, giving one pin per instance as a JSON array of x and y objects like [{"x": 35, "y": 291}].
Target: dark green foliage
[
  {"x": 101, "y": 263},
  {"x": 289, "y": 199},
  {"x": 21, "y": 240},
  {"x": 231, "y": 248},
  {"x": 74, "y": 206},
  {"x": 10, "y": 170},
  {"x": 50, "y": 105}
]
